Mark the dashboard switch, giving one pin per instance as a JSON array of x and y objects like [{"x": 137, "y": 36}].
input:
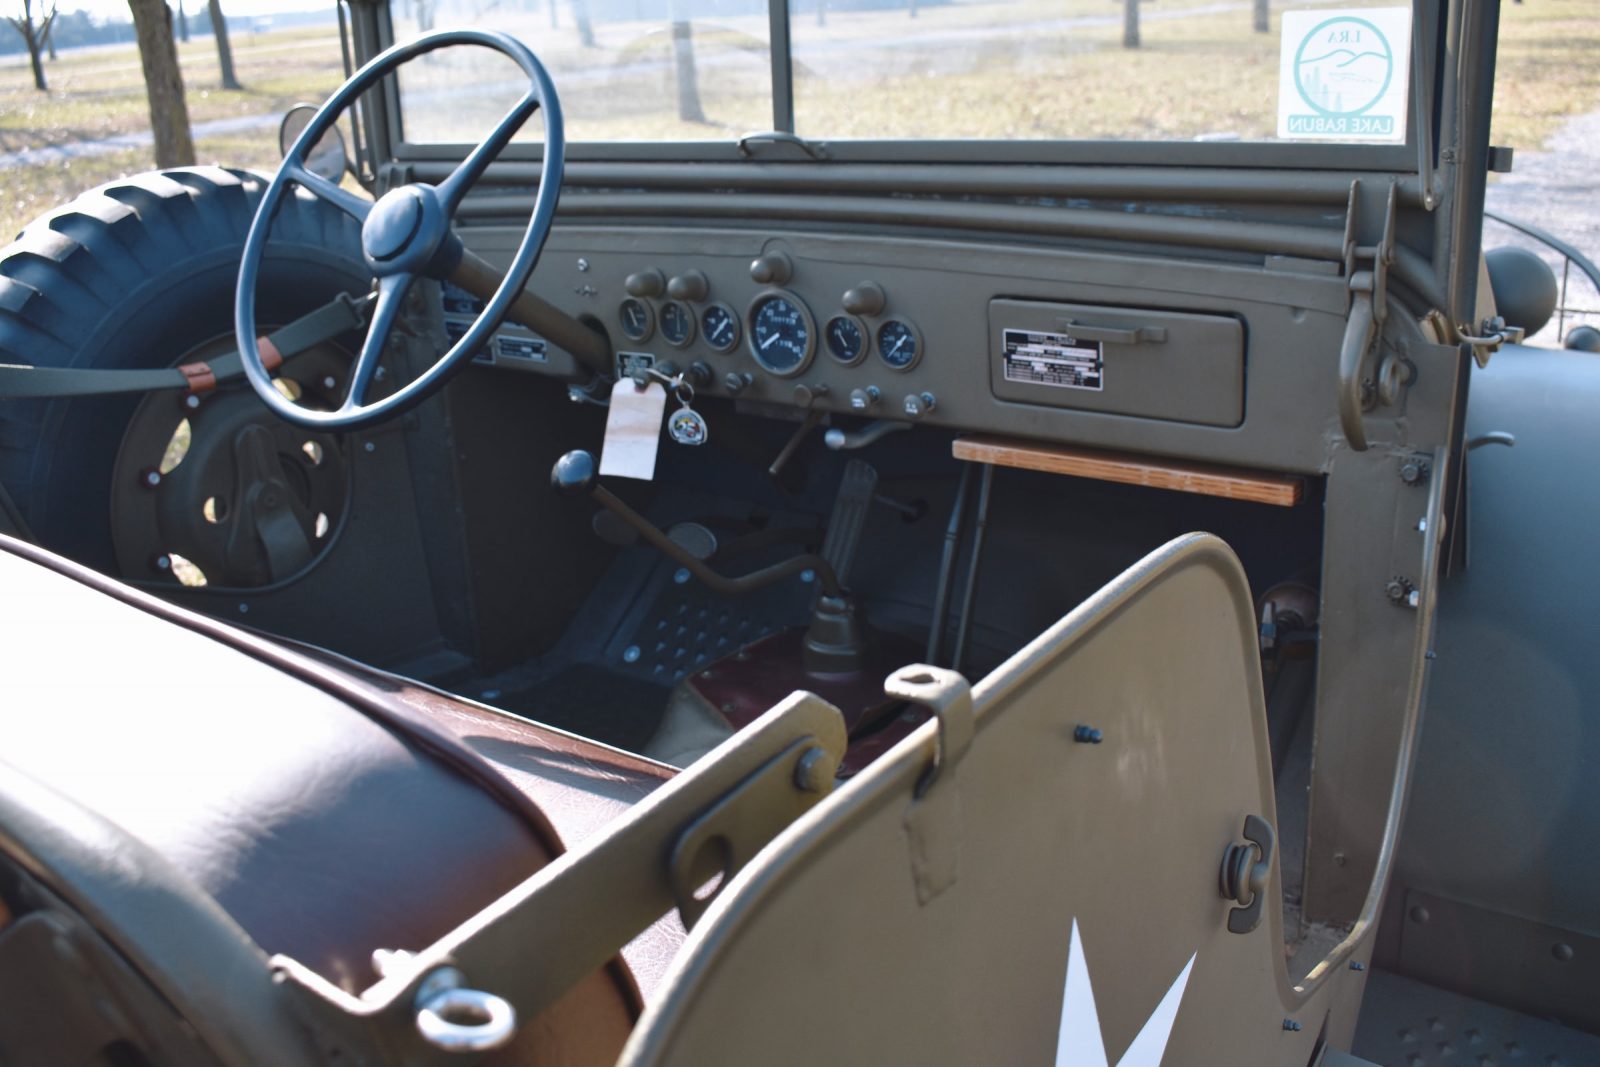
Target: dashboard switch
[
  {"x": 645, "y": 283},
  {"x": 866, "y": 298},
  {"x": 806, "y": 395},
  {"x": 774, "y": 268},
  {"x": 735, "y": 382},
  {"x": 864, "y": 399},
  {"x": 690, "y": 285},
  {"x": 919, "y": 404}
]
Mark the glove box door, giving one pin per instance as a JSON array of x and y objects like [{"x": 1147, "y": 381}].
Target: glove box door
[{"x": 1174, "y": 365}]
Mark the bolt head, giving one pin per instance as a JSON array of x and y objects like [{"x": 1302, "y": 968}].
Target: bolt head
[
  {"x": 1562, "y": 951},
  {"x": 814, "y": 771}
]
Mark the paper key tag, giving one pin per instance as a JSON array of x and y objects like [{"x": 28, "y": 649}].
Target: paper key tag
[{"x": 633, "y": 430}]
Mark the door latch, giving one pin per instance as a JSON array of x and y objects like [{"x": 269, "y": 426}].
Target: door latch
[{"x": 1246, "y": 870}]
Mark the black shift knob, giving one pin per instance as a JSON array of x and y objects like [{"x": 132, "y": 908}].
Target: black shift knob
[{"x": 573, "y": 473}]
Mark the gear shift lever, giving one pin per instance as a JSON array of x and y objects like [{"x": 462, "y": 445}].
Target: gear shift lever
[{"x": 835, "y": 642}]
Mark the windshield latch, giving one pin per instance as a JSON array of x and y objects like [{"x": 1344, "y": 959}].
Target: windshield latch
[{"x": 815, "y": 149}]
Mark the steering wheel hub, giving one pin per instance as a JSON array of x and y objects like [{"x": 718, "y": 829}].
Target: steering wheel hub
[{"x": 395, "y": 220}]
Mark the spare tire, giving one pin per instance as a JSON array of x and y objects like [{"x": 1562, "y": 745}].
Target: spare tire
[{"x": 140, "y": 273}]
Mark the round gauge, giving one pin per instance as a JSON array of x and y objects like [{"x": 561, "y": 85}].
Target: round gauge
[
  {"x": 677, "y": 323},
  {"x": 781, "y": 332},
  {"x": 637, "y": 321},
  {"x": 847, "y": 340},
  {"x": 720, "y": 327},
  {"x": 899, "y": 344}
]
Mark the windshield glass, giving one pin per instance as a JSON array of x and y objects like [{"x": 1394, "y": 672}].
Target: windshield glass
[{"x": 875, "y": 70}]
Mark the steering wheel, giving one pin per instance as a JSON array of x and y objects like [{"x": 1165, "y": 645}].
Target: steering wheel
[{"x": 405, "y": 234}]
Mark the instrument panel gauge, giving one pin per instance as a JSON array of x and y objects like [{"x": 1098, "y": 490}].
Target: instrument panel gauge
[
  {"x": 720, "y": 327},
  {"x": 677, "y": 323},
  {"x": 637, "y": 319},
  {"x": 899, "y": 344},
  {"x": 782, "y": 333},
  {"x": 846, "y": 339}
]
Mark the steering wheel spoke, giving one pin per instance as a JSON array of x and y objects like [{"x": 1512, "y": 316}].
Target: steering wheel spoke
[
  {"x": 453, "y": 188},
  {"x": 357, "y": 207},
  {"x": 403, "y": 233},
  {"x": 392, "y": 292}
]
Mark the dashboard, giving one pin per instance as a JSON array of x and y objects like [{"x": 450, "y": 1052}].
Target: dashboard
[{"x": 1144, "y": 353}]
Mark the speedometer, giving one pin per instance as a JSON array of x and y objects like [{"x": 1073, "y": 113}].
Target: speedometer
[{"x": 782, "y": 334}]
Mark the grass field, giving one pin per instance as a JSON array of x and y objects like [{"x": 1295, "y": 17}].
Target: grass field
[{"x": 1060, "y": 73}]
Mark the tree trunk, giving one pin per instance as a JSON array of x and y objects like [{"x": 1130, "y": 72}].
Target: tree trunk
[
  {"x": 50, "y": 38},
  {"x": 1130, "y": 23},
  {"x": 38, "y": 68},
  {"x": 219, "y": 30},
  {"x": 580, "y": 15},
  {"x": 183, "y": 24},
  {"x": 163, "y": 83},
  {"x": 1263, "y": 20},
  {"x": 689, "y": 109}
]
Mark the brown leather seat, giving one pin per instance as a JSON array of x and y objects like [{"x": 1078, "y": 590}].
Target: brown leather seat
[{"x": 328, "y": 816}]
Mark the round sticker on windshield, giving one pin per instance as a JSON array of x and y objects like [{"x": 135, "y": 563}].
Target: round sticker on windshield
[
  {"x": 1343, "y": 67},
  {"x": 1344, "y": 75}
]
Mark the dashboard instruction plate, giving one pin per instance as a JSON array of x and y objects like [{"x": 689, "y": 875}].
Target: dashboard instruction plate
[{"x": 1034, "y": 357}]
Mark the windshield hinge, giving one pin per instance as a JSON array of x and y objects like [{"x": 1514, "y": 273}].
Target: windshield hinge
[{"x": 1367, "y": 306}]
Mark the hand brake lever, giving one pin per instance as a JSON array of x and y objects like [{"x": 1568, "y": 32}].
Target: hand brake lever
[{"x": 575, "y": 473}]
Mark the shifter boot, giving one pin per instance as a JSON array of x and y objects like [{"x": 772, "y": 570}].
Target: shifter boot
[{"x": 849, "y": 517}]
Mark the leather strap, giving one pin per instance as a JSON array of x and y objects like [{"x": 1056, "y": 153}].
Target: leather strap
[{"x": 324, "y": 324}]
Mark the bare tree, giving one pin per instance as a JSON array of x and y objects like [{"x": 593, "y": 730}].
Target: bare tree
[
  {"x": 50, "y": 39},
  {"x": 1263, "y": 18},
  {"x": 183, "y": 24},
  {"x": 163, "y": 83},
  {"x": 1130, "y": 23},
  {"x": 34, "y": 37},
  {"x": 219, "y": 30}
]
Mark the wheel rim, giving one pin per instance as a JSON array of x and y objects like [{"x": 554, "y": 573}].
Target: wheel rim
[{"x": 214, "y": 490}]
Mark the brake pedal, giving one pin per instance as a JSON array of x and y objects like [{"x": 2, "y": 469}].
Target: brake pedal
[{"x": 849, "y": 517}]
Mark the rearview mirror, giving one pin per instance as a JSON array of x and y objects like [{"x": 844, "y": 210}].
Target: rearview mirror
[{"x": 327, "y": 158}]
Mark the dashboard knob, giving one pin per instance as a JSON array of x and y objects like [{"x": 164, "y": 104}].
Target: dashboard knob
[
  {"x": 806, "y": 395},
  {"x": 573, "y": 473},
  {"x": 919, "y": 404},
  {"x": 774, "y": 268},
  {"x": 866, "y": 298},
  {"x": 700, "y": 374},
  {"x": 735, "y": 382},
  {"x": 690, "y": 285},
  {"x": 864, "y": 399},
  {"x": 645, "y": 283}
]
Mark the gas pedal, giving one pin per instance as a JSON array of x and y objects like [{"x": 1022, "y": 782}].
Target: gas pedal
[{"x": 849, "y": 517}]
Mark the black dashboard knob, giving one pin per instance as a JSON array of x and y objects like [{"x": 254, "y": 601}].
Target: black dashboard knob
[
  {"x": 866, "y": 298},
  {"x": 735, "y": 382},
  {"x": 690, "y": 285},
  {"x": 774, "y": 268},
  {"x": 647, "y": 282},
  {"x": 574, "y": 473}
]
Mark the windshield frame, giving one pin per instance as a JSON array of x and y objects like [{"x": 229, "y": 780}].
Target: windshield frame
[{"x": 1428, "y": 39}]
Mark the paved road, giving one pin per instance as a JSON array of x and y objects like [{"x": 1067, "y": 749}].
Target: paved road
[{"x": 1557, "y": 190}]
